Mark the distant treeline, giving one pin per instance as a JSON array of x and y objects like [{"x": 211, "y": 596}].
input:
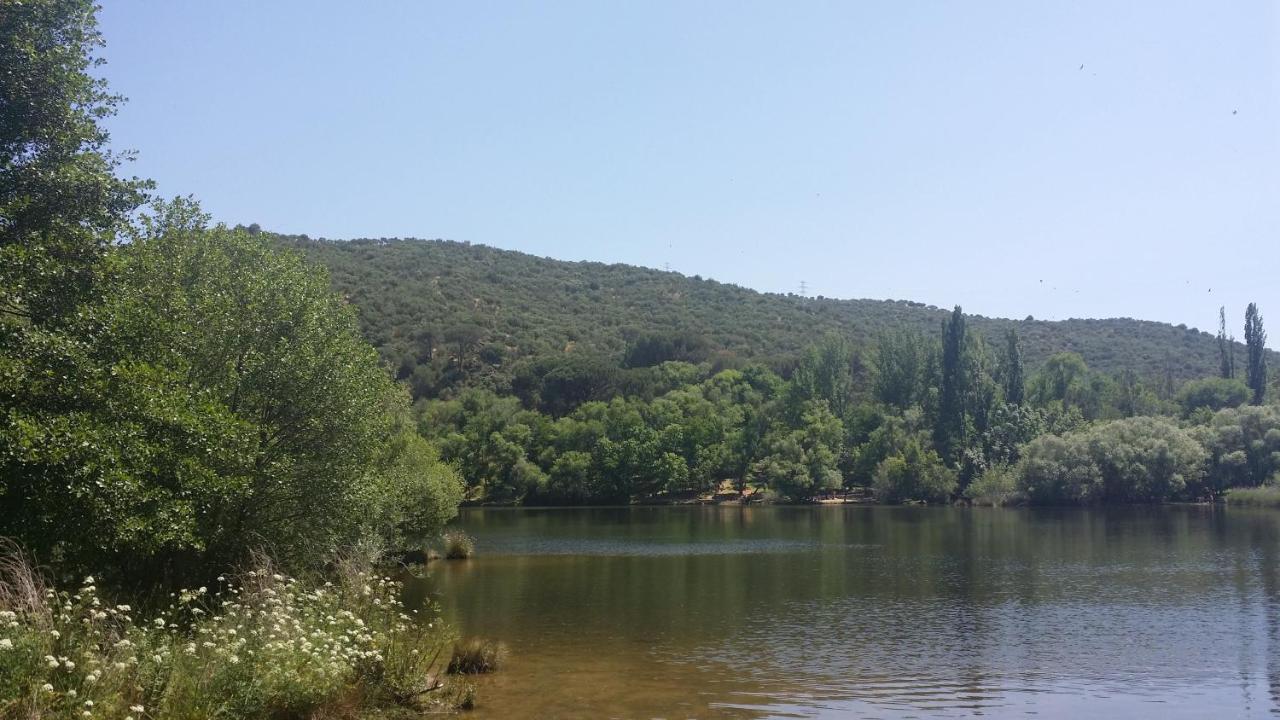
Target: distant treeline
[{"x": 917, "y": 417}]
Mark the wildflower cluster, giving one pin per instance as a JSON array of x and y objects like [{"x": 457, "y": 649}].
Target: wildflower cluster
[{"x": 258, "y": 645}]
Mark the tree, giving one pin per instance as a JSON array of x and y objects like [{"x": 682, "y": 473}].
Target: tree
[
  {"x": 61, "y": 205},
  {"x": 1226, "y": 347},
  {"x": 913, "y": 473},
  {"x": 1011, "y": 373},
  {"x": 224, "y": 401},
  {"x": 1255, "y": 341},
  {"x": 1213, "y": 394},
  {"x": 801, "y": 463},
  {"x": 826, "y": 373},
  {"x": 898, "y": 364},
  {"x": 949, "y": 433}
]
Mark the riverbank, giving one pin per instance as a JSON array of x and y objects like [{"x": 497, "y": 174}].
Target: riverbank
[{"x": 255, "y": 645}]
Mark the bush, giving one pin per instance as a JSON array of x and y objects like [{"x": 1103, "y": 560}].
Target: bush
[
  {"x": 996, "y": 486},
  {"x": 458, "y": 545},
  {"x": 1055, "y": 470},
  {"x": 222, "y": 395},
  {"x": 261, "y": 645},
  {"x": 1140, "y": 459},
  {"x": 1213, "y": 394},
  {"x": 475, "y": 656},
  {"x": 913, "y": 474}
]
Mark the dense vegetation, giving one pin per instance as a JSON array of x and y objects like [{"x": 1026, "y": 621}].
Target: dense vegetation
[
  {"x": 447, "y": 315},
  {"x": 930, "y": 420},
  {"x": 177, "y": 397}
]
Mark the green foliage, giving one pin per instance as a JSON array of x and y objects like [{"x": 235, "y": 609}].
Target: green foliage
[
  {"x": 222, "y": 398},
  {"x": 1268, "y": 496},
  {"x": 1243, "y": 445},
  {"x": 1011, "y": 372},
  {"x": 996, "y": 486},
  {"x": 1059, "y": 471},
  {"x": 950, "y": 432},
  {"x": 1226, "y": 347},
  {"x": 409, "y": 293},
  {"x": 1213, "y": 394},
  {"x": 1140, "y": 459},
  {"x": 800, "y": 463},
  {"x": 61, "y": 205},
  {"x": 913, "y": 473},
  {"x": 1255, "y": 340}
]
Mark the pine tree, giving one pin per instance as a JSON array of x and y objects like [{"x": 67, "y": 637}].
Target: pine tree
[
  {"x": 1011, "y": 371},
  {"x": 1226, "y": 347},
  {"x": 949, "y": 432},
  {"x": 1255, "y": 341}
]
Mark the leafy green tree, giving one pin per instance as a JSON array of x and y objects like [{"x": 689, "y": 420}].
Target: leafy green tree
[
  {"x": 802, "y": 463},
  {"x": 826, "y": 372},
  {"x": 1057, "y": 470},
  {"x": 1145, "y": 459},
  {"x": 1255, "y": 340},
  {"x": 61, "y": 204},
  {"x": 1212, "y": 394},
  {"x": 224, "y": 400},
  {"x": 1243, "y": 444},
  {"x": 913, "y": 473},
  {"x": 899, "y": 365}
]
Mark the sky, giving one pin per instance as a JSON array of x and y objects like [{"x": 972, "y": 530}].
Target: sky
[{"x": 1055, "y": 159}]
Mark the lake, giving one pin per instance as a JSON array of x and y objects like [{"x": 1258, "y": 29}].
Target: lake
[{"x": 877, "y": 612}]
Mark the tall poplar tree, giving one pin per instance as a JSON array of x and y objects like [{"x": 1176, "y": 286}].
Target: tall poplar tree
[
  {"x": 1226, "y": 347},
  {"x": 1013, "y": 382},
  {"x": 949, "y": 432},
  {"x": 1255, "y": 341}
]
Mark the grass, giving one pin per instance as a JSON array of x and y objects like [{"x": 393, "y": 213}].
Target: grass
[
  {"x": 475, "y": 656},
  {"x": 1265, "y": 496},
  {"x": 256, "y": 645},
  {"x": 458, "y": 545}
]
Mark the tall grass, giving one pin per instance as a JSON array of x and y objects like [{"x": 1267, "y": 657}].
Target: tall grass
[
  {"x": 458, "y": 545},
  {"x": 1264, "y": 496},
  {"x": 257, "y": 645}
]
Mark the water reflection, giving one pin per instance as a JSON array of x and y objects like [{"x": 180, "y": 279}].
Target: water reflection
[{"x": 878, "y": 612}]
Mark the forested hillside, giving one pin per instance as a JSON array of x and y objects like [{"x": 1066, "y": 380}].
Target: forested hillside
[{"x": 460, "y": 314}]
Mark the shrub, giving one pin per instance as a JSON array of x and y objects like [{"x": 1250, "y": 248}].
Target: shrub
[
  {"x": 1140, "y": 459},
  {"x": 996, "y": 486},
  {"x": 475, "y": 656},
  {"x": 913, "y": 474},
  {"x": 458, "y": 545},
  {"x": 1056, "y": 470},
  {"x": 1213, "y": 394}
]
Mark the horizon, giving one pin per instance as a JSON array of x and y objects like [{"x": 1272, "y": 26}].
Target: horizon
[{"x": 1082, "y": 162}]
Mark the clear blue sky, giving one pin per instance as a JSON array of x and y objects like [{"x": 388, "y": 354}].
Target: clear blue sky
[{"x": 944, "y": 152}]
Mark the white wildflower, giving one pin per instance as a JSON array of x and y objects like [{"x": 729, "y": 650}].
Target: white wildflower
[{"x": 6, "y": 644}]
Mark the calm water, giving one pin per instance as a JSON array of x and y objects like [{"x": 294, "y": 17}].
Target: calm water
[{"x": 719, "y": 612}]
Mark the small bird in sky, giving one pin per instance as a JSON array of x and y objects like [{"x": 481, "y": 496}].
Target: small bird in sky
[
  {"x": 1235, "y": 112},
  {"x": 1081, "y": 66}
]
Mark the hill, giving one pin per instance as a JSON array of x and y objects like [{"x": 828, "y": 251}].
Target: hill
[{"x": 474, "y": 312}]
